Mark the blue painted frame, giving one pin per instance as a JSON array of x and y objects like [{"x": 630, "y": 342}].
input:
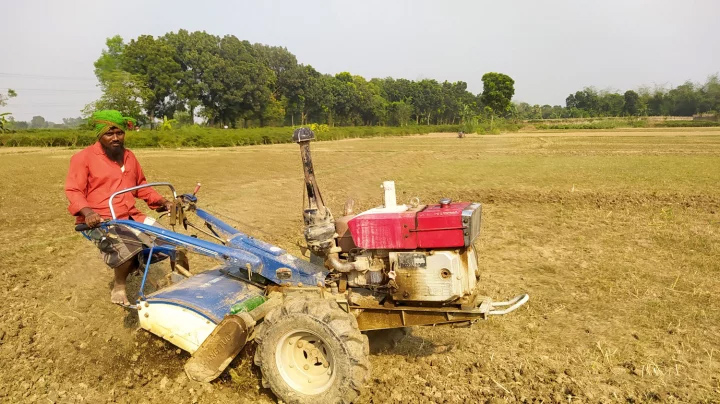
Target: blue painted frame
[{"x": 242, "y": 254}]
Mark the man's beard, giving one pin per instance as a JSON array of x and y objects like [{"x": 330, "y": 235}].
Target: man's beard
[{"x": 115, "y": 154}]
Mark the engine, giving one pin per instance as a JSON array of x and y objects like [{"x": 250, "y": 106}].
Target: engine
[
  {"x": 422, "y": 252},
  {"x": 410, "y": 253}
]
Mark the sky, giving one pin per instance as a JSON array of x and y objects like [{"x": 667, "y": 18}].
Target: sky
[{"x": 550, "y": 48}]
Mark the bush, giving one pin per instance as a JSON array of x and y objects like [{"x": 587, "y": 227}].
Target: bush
[
  {"x": 687, "y": 124},
  {"x": 198, "y": 136},
  {"x": 598, "y": 124},
  {"x": 498, "y": 125}
]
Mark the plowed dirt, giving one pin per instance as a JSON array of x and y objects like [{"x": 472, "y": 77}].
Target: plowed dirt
[{"x": 615, "y": 238}]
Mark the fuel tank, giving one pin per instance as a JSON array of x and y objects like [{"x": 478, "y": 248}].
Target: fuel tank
[{"x": 443, "y": 225}]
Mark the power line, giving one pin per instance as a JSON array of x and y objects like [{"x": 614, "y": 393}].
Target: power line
[
  {"x": 51, "y": 90},
  {"x": 44, "y": 77}
]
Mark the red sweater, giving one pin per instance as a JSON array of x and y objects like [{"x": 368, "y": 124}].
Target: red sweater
[{"x": 93, "y": 177}]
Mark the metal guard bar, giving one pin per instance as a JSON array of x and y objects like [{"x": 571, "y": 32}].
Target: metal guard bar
[
  {"x": 151, "y": 184},
  {"x": 513, "y": 304}
]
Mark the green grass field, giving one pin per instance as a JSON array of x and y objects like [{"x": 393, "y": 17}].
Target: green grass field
[{"x": 614, "y": 235}]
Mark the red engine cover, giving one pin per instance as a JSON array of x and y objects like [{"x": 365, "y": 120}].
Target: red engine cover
[
  {"x": 434, "y": 226},
  {"x": 441, "y": 226}
]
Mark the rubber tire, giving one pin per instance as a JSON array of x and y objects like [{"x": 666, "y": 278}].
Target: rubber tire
[
  {"x": 387, "y": 339},
  {"x": 340, "y": 332}
]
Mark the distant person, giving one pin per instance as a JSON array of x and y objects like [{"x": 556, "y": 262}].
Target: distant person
[{"x": 97, "y": 172}]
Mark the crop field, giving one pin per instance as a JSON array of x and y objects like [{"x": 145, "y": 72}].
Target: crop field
[{"x": 614, "y": 234}]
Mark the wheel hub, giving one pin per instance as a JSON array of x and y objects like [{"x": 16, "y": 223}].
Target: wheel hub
[{"x": 305, "y": 362}]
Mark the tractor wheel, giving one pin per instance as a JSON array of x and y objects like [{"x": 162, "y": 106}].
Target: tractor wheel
[
  {"x": 311, "y": 351},
  {"x": 384, "y": 340}
]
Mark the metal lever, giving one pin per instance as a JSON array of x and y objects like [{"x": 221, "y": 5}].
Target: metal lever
[
  {"x": 303, "y": 137},
  {"x": 319, "y": 222}
]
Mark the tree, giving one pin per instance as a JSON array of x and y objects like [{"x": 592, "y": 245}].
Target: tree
[
  {"x": 73, "y": 122},
  {"x": 5, "y": 117},
  {"x": 632, "y": 103},
  {"x": 21, "y": 125},
  {"x": 38, "y": 122},
  {"x": 182, "y": 118},
  {"x": 426, "y": 99},
  {"x": 293, "y": 92},
  {"x": 711, "y": 94},
  {"x": 287, "y": 92},
  {"x": 190, "y": 50},
  {"x": 399, "y": 113},
  {"x": 121, "y": 91},
  {"x": 498, "y": 90},
  {"x": 153, "y": 62},
  {"x": 5, "y": 98},
  {"x": 685, "y": 99},
  {"x": 455, "y": 98},
  {"x": 273, "y": 113},
  {"x": 110, "y": 60},
  {"x": 586, "y": 100},
  {"x": 5, "y": 123},
  {"x": 610, "y": 104},
  {"x": 319, "y": 99},
  {"x": 371, "y": 107},
  {"x": 167, "y": 124},
  {"x": 234, "y": 81}
]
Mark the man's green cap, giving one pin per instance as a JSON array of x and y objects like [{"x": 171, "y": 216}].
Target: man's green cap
[{"x": 106, "y": 119}]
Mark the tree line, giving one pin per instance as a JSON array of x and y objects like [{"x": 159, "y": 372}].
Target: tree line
[
  {"x": 687, "y": 99},
  {"x": 229, "y": 82}
]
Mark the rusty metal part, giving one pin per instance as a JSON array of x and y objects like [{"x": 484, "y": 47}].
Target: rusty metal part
[
  {"x": 366, "y": 298},
  {"x": 319, "y": 222},
  {"x": 218, "y": 350},
  {"x": 372, "y": 317},
  {"x": 303, "y": 136},
  {"x": 344, "y": 239},
  {"x": 334, "y": 263},
  {"x": 319, "y": 230},
  {"x": 376, "y": 318},
  {"x": 226, "y": 341}
]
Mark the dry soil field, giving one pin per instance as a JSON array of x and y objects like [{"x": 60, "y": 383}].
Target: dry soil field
[{"x": 613, "y": 234}]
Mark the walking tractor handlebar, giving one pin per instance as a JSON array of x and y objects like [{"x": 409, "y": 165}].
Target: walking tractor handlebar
[
  {"x": 153, "y": 184},
  {"x": 190, "y": 198},
  {"x": 82, "y": 227}
]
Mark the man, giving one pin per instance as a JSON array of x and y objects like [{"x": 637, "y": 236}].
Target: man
[{"x": 97, "y": 172}]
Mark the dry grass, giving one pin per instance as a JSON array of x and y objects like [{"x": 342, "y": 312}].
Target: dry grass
[{"x": 615, "y": 238}]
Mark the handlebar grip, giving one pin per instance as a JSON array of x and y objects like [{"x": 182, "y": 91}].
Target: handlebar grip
[
  {"x": 197, "y": 188},
  {"x": 82, "y": 227}
]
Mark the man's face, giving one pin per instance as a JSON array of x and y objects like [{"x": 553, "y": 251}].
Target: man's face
[
  {"x": 113, "y": 143},
  {"x": 113, "y": 140}
]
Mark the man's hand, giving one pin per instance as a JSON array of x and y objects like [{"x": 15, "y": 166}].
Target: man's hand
[
  {"x": 92, "y": 219},
  {"x": 166, "y": 206}
]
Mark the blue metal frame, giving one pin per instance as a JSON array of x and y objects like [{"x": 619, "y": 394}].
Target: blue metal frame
[
  {"x": 211, "y": 294},
  {"x": 145, "y": 274},
  {"x": 242, "y": 254}
]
